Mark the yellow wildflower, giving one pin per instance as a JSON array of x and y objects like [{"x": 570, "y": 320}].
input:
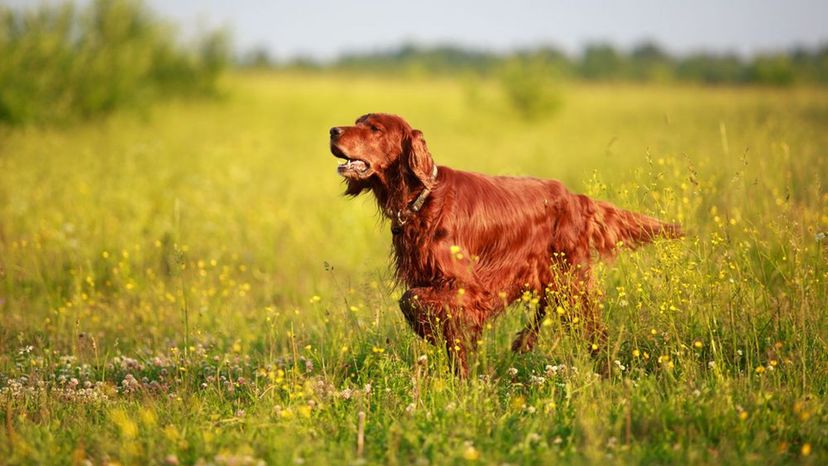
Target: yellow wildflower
[{"x": 470, "y": 453}]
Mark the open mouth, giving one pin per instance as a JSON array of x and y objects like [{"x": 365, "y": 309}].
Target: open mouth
[{"x": 351, "y": 166}]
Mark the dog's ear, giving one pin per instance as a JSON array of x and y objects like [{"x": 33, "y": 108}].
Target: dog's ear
[{"x": 417, "y": 158}]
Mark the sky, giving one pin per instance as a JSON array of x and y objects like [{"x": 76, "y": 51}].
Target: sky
[{"x": 325, "y": 29}]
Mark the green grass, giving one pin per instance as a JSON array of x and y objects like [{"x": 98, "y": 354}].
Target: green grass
[{"x": 190, "y": 286}]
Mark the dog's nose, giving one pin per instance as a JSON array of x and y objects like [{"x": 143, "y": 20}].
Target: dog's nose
[{"x": 336, "y": 131}]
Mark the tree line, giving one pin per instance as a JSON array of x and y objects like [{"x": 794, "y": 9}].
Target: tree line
[{"x": 647, "y": 62}]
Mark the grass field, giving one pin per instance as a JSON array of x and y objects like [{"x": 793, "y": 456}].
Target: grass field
[{"x": 189, "y": 286}]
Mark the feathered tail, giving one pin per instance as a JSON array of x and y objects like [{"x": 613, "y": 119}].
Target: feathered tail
[{"x": 610, "y": 227}]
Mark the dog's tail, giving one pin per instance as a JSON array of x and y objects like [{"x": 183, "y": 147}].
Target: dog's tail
[{"x": 610, "y": 227}]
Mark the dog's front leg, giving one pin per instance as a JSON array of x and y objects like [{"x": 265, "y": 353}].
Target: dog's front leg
[
  {"x": 447, "y": 312},
  {"x": 525, "y": 339}
]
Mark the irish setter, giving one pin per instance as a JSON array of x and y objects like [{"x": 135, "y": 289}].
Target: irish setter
[{"x": 467, "y": 245}]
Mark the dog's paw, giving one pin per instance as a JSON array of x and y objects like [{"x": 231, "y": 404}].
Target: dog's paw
[{"x": 525, "y": 341}]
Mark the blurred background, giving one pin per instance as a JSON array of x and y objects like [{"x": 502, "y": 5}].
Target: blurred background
[{"x": 63, "y": 60}]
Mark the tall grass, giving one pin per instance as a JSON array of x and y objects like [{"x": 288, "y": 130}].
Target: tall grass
[{"x": 62, "y": 63}]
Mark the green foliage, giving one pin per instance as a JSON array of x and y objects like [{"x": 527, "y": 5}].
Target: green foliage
[
  {"x": 61, "y": 63},
  {"x": 773, "y": 69},
  {"x": 713, "y": 70},
  {"x": 649, "y": 63},
  {"x": 171, "y": 299},
  {"x": 601, "y": 62},
  {"x": 531, "y": 85}
]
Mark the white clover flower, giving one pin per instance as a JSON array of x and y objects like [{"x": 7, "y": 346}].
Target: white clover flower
[{"x": 537, "y": 380}]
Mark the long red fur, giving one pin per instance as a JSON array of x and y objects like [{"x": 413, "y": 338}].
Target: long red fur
[{"x": 480, "y": 242}]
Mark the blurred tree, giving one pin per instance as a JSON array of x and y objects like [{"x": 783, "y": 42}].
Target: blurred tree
[
  {"x": 774, "y": 69},
  {"x": 601, "y": 62},
  {"x": 648, "y": 62},
  {"x": 259, "y": 57},
  {"x": 531, "y": 85},
  {"x": 712, "y": 69}
]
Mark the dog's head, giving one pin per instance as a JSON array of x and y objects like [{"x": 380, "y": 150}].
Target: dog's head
[{"x": 381, "y": 150}]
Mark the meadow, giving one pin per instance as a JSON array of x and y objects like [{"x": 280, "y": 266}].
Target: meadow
[{"x": 187, "y": 285}]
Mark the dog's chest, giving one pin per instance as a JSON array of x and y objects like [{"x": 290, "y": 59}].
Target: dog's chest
[{"x": 415, "y": 257}]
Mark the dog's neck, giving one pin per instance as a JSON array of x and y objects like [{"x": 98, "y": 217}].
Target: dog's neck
[{"x": 402, "y": 195}]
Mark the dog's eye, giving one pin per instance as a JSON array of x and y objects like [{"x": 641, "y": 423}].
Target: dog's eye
[{"x": 375, "y": 129}]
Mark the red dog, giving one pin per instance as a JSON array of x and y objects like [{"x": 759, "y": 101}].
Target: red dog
[{"x": 466, "y": 245}]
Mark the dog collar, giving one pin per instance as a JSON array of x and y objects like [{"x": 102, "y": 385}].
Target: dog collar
[
  {"x": 398, "y": 219},
  {"x": 418, "y": 203}
]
